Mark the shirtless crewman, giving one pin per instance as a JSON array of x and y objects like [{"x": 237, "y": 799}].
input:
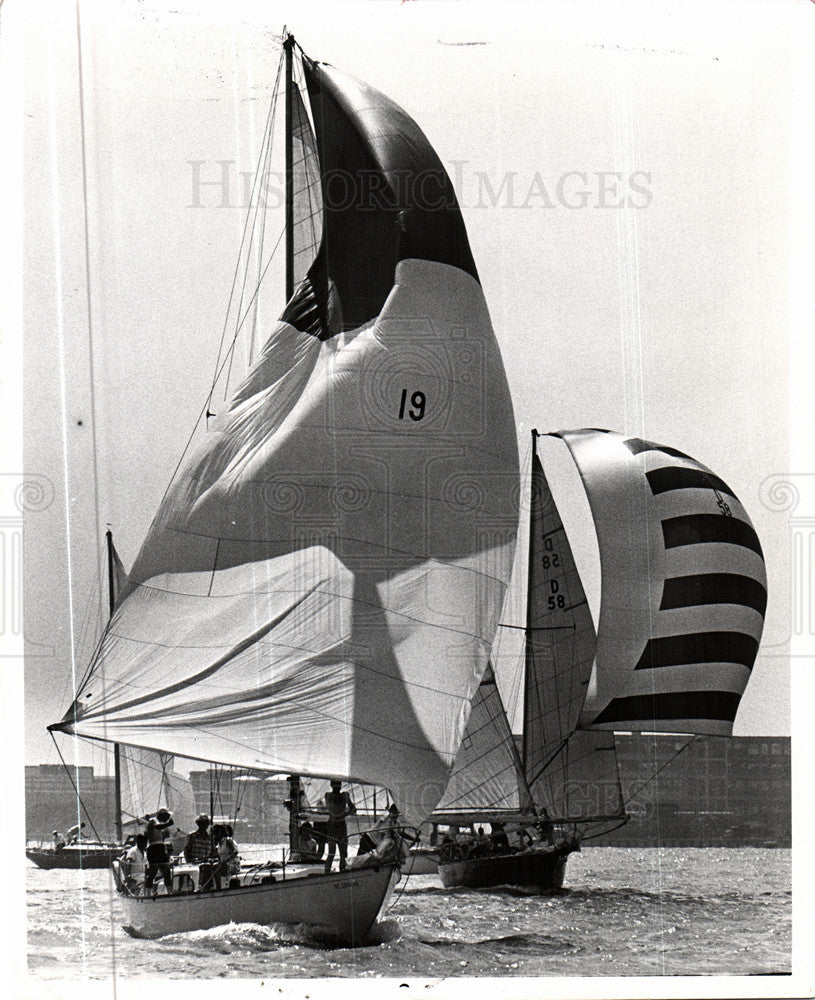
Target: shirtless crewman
[{"x": 339, "y": 805}]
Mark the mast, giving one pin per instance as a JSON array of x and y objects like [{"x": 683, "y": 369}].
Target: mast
[
  {"x": 529, "y": 610},
  {"x": 529, "y": 805},
  {"x": 294, "y": 804},
  {"x": 117, "y": 761},
  {"x": 288, "y": 46}
]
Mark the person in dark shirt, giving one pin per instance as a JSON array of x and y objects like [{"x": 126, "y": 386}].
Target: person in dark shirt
[{"x": 498, "y": 837}]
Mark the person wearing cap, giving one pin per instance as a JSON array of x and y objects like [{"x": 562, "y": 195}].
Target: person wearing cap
[
  {"x": 156, "y": 832},
  {"x": 199, "y": 844},
  {"x": 59, "y": 840},
  {"x": 338, "y": 805}
]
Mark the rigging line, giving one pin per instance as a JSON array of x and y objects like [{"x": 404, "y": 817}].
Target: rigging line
[
  {"x": 659, "y": 770},
  {"x": 260, "y": 174},
  {"x": 84, "y": 640},
  {"x": 267, "y": 169},
  {"x": 82, "y": 805},
  {"x": 604, "y": 832},
  {"x": 205, "y": 407},
  {"x": 261, "y": 211},
  {"x": 91, "y": 379},
  {"x": 270, "y": 118},
  {"x": 254, "y": 295},
  {"x": 253, "y": 211},
  {"x": 542, "y": 769},
  {"x": 539, "y": 628},
  {"x": 60, "y": 330}
]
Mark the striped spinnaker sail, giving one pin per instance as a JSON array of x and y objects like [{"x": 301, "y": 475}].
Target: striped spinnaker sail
[{"x": 684, "y": 588}]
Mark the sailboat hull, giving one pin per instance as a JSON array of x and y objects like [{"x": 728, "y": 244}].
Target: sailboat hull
[
  {"x": 345, "y": 905},
  {"x": 542, "y": 869},
  {"x": 74, "y": 858},
  {"x": 421, "y": 861}
]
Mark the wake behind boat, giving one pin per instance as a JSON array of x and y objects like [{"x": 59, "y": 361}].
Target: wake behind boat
[{"x": 315, "y": 596}]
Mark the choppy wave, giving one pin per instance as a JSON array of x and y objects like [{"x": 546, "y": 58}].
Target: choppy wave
[{"x": 624, "y": 912}]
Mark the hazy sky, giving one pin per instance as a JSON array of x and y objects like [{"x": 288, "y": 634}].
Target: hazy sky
[{"x": 626, "y": 180}]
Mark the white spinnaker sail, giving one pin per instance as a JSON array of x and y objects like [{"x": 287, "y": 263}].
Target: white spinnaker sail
[
  {"x": 683, "y": 588},
  {"x": 320, "y": 588}
]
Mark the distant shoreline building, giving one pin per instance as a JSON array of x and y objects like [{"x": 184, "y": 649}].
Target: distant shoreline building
[
  {"x": 712, "y": 792},
  {"x": 715, "y": 792}
]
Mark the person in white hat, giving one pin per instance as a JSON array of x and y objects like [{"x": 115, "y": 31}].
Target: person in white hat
[{"x": 158, "y": 862}]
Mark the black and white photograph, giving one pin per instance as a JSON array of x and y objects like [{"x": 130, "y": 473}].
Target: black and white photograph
[{"x": 407, "y": 498}]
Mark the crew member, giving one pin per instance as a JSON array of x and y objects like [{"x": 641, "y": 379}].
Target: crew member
[{"x": 339, "y": 805}]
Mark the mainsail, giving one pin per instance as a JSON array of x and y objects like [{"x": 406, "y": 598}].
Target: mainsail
[
  {"x": 572, "y": 775},
  {"x": 320, "y": 588},
  {"x": 558, "y": 774}
]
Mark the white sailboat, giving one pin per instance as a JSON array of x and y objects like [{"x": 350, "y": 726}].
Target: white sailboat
[
  {"x": 683, "y": 596},
  {"x": 317, "y": 595}
]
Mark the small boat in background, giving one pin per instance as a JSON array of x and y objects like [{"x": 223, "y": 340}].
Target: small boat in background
[{"x": 74, "y": 856}]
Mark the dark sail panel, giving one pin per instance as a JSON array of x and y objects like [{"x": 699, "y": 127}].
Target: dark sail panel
[{"x": 386, "y": 196}]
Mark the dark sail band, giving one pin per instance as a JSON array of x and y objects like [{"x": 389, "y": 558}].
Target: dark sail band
[
  {"x": 638, "y": 445},
  {"x": 713, "y": 588},
  {"x": 699, "y": 647},
  {"x": 680, "y": 477},
  {"x": 673, "y": 705},
  {"x": 694, "y": 529}
]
